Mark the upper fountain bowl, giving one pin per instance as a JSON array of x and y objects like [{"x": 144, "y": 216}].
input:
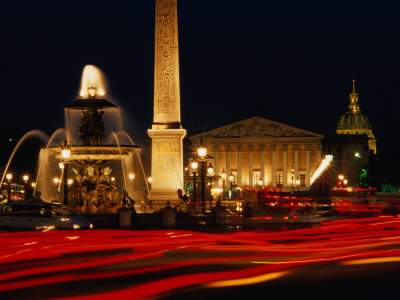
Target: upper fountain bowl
[{"x": 93, "y": 91}]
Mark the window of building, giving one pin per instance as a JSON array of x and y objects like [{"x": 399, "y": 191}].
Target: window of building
[
  {"x": 235, "y": 174},
  {"x": 302, "y": 179},
  {"x": 256, "y": 177},
  {"x": 279, "y": 180}
]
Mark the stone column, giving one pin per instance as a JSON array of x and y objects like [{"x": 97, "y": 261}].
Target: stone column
[
  {"x": 308, "y": 168},
  {"x": 273, "y": 167},
  {"x": 262, "y": 164},
  {"x": 239, "y": 165},
  {"x": 296, "y": 162},
  {"x": 167, "y": 107},
  {"x": 228, "y": 161},
  {"x": 250, "y": 165},
  {"x": 166, "y": 132},
  {"x": 285, "y": 167},
  {"x": 216, "y": 162},
  {"x": 216, "y": 165}
]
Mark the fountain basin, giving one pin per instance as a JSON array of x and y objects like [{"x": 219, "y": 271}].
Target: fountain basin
[{"x": 95, "y": 153}]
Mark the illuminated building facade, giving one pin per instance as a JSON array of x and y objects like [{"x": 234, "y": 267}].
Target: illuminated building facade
[{"x": 258, "y": 148}]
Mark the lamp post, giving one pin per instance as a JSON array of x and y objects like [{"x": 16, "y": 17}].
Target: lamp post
[
  {"x": 292, "y": 180},
  {"x": 25, "y": 178},
  {"x": 231, "y": 180},
  {"x": 297, "y": 184},
  {"x": 56, "y": 180},
  {"x": 223, "y": 175},
  {"x": 131, "y": 176},
  {"x": 9, "y": 177},
  {"x": 358, "y": 156},
  {"x": 65, "y": 153},
  {"x": 210, "y": 171},
  {"x": 202, "y": 152},
  {"x": 340, "y": 183},
  {"x": 194, "y": 166},
  {"x": 260, "y": 183}
]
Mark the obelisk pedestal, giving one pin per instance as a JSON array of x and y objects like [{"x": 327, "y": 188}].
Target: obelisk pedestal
[{"x": 166, "y": 133}]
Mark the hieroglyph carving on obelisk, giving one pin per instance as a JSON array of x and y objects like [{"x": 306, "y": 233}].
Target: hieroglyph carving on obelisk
[
  {"x": 166, "y": 133},
  {"x": 166, "y": 69}
]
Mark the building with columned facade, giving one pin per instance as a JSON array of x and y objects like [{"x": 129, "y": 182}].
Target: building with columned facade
[{"x": 258, "y": 148}]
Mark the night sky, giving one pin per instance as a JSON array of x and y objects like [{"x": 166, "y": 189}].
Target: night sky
[{"x": 288, "y": 61}]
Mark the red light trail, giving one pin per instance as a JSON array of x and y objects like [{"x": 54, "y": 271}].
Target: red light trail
[{"x": 139, "y": 264}]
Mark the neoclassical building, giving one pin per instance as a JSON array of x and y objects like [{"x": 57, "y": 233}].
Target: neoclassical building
[{"x": 258, "y": 148}]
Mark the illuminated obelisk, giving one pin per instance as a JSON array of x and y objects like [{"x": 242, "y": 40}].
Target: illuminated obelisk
[{"x": 166, "y": 133}]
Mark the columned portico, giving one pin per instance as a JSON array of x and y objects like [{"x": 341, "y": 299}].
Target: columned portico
[{"x": 257, "y": 147}]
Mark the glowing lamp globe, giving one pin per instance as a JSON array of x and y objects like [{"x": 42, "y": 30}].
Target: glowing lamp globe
[{"x": 202, "y": 152}]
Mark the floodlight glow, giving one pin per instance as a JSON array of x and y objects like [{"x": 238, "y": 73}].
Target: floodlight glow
[{"x": 322, "y": 167}]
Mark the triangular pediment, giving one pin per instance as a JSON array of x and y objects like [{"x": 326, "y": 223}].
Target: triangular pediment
[{"x": 256, "y": 127}]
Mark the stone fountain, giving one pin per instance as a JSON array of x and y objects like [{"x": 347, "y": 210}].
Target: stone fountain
[{"x": 92, "y": 189}]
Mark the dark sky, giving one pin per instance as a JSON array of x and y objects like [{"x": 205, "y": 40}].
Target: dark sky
[{"x": 288, "y": 61}]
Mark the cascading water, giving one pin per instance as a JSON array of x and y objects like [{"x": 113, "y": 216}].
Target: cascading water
[
  {"x": 48, "y": 167},
  {"x": 33, "y": 133}
]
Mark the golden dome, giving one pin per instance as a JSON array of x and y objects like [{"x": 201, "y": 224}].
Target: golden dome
[{"x": 354, "y": 122}]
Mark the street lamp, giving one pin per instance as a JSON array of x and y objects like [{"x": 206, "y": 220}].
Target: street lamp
[
  {"x": 297, "y": 184},
  {"x": 210, "y": 171},
  {"x": 340, "y": 177},
  {"x": 292, "y": 180},
  {"x": 358, "y": 156},
  {"x": 223, "y": 175},
  {"x": 194, "y": 166},
  {"x": 260, "y": 183},
  {"x": 9, "y": 177},
  {"x": 131, "y": 176},
  {"x": 202, "y": 152},
  {"x": 65, "y": 153},
  {"x": 25, "y": 178},
  {"x": 56, "y": 180},
  {"x": 231, "y": 180}
]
